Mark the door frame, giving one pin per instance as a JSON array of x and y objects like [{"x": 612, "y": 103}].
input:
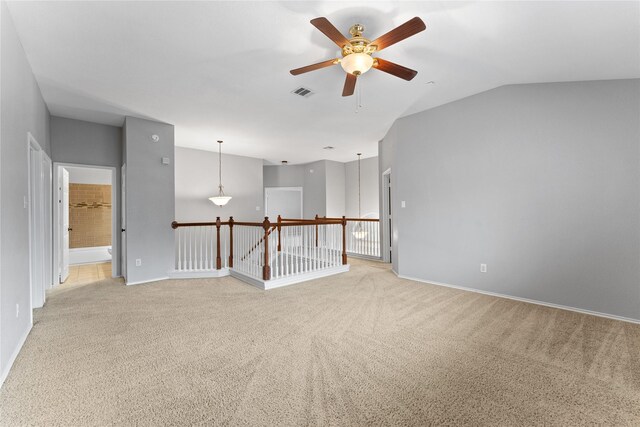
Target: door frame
[
  {"x": 48, "y": 224},
  {"x": 385, "y": 250},
  {"x": 123, "y": 222},
  {"x": 36, "y": 221},
  {"x": 266, "y": 197},
  {"x": 115, "y": 247}
]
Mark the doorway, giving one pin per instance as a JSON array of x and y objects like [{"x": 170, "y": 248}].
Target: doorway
[
  {"x": 285, "y": 201},
  {"x": 85, "y": 220},
  {"x": 40, "y": 224},
  {"x": 387, "y": 255}
]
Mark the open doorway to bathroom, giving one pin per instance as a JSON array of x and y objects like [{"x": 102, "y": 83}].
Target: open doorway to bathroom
[{"x": 85, "y": 223}]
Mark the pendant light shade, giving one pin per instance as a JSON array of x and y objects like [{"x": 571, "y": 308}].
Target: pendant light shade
[
  {"x": 221, "y": 199},
  {"x": 358, "y": 231}
]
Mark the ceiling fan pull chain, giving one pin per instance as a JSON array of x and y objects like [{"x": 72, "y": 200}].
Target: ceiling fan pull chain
[{"x": 360, "y": 95}]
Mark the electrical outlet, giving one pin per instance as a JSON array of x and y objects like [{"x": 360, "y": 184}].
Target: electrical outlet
[
  {"x": 483, "y": 268},
  {"x": 17, "y": 310},
  {"x": 138, "y": 262},
  {"x": 403, "y": 204},
  {"x": 257, "y": 208}
]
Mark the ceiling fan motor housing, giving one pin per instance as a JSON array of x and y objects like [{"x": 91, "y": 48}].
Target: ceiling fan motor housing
[{"x": 358, "y": 44}]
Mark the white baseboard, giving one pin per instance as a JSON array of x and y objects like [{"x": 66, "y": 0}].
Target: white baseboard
[
  {"x": 198, "y": 274},
  {"x": 157, "y": 279},
  {"x": 290, "y": 280},
  {"x": 530, "y": 301},
  {"x": 367, "y": 257},
  {"x": 14, "y": 355},
  {"x": 89, "y": 255}
]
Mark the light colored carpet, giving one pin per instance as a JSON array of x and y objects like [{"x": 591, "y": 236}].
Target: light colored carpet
[{"x": 360, "y": 348}]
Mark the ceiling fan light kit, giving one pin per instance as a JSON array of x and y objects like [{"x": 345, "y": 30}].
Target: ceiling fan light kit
[
  {"x": 357, "y": 63},
  {"x": 357, "y": 51}
]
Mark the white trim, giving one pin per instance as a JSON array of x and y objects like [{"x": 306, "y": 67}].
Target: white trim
[
  {"x": 385, "y": 230},
  {"x": 115, "y": 247},
  {"x": 157, "y": 279},
  {"x": 49, "y": 217},
  {"x": 90, "y": 255},
  {"x": 300, "y": 189},
  {"x": 531, "y": 301},
  {"x": 14, "y": 355},
  {"x": 32, "y": 144},
  {"x": 199, "y": 274},
  {"x": 289, "y": 280}
]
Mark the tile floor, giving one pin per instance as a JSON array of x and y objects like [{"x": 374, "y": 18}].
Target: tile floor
[{"x": 87, "y": 273}]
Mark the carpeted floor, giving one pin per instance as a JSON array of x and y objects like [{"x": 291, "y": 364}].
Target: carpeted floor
[{"x": 359, "y": 348}]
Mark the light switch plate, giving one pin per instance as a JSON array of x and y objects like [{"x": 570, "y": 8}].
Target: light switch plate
[
  {"x": 165, "y": 161},
  {"x": 403, "y": 204}
]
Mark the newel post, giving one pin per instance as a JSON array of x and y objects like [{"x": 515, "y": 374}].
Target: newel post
[
  {"x": 218, "y": 259},
  {"x": 266, "y": 270},
  {"x": 279, "y": 229},
  {"x": 344, "y": 240},
  {"x": 317, "y": 230},
  {"x": 230, "y": 242}
]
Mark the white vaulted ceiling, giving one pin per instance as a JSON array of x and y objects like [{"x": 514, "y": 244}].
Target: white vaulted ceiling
[{"x": 220, "y": 70}]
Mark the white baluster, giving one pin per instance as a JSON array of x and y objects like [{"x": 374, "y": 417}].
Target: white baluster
[
  {"x": 178, "y": 263},
  {"x": 294, "y": 249},
  {"x": 300, "y": 255}
]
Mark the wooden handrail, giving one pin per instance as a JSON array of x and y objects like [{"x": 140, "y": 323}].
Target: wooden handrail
[
  {"x": 176, "y": 224},
  {"x": 354, "y": 219},
  {"x": 257, "y": 245},
  {"x": 268, "y": 227}
]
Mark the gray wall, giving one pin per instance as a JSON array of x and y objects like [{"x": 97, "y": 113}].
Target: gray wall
[
  {"x": 22, "y": 110},
  {"x": 89, "y": 175},
  {"x": 315, "y": 189},
  {"x": 150, "y": 204},
  {"x": 335, "y": 188},
  {"x": 314, "y": 184},
  {"x": 284, "y": 176},
  {"x": 370, "y": 188},
  {"x": 197, "y": 180},
  {"x": 323, "y": 184},
  {"x": 86, "y": 143},
  {"x": 538, "y": 181}
]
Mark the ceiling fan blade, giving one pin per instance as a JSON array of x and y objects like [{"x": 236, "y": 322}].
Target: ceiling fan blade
[
  {"x": 313, "y": 67},
  {"x": 408, "y": 29},
  {"x": 349, "y": 85},
  {"x": 330, "y": 31},
  {"x": 394, "y": 69}
]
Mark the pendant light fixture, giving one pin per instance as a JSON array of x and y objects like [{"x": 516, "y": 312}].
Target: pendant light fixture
[
  {"x": 221, "y": 199},
  {"x": 359, "y": 232}
]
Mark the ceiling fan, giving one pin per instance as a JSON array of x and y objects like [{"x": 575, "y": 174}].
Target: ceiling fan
[{"x": 356, "y": 51}]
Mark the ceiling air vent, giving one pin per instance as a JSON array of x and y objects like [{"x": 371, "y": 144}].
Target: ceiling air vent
[{"x": 302, "y": 91}]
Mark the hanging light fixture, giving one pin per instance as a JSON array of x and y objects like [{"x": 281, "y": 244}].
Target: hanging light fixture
[
  {"x": 359, "y": 232},
  {"x": 221, "y": 199}
]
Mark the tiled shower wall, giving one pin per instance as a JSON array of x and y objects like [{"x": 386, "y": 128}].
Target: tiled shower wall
[{"x": 89, "y": 215}]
